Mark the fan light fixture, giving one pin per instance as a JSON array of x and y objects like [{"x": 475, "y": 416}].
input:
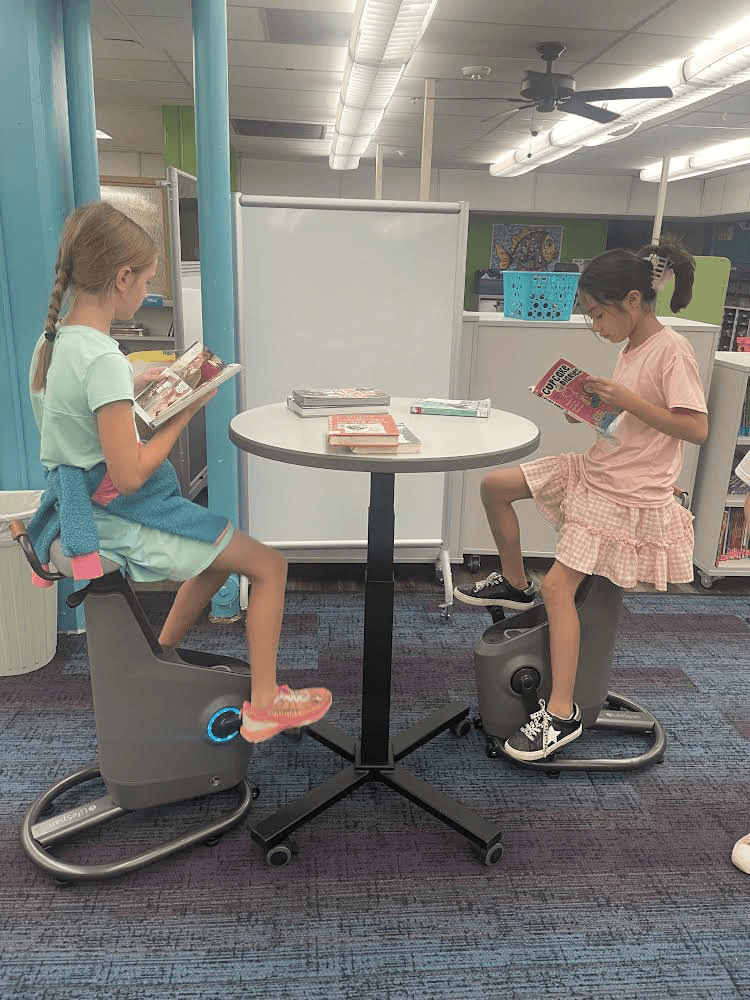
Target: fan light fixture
[
  {"x": 716, "y": 65},
  {"x": 719, "y": 157},
  {"x": 385, "y": 34}
]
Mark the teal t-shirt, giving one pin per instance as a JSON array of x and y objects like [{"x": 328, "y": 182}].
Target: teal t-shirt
[{"x": 87, "y": 371}]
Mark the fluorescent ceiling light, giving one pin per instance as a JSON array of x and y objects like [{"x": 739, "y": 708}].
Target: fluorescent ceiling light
[
  {"x": 102, "y": 135},
  {"x": 716, "y": 65},
  {"x": 719, "y": 157},
  {"x": 385, "y": 34}
]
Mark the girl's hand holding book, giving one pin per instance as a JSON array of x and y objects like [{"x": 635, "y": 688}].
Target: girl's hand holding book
[
  {"x": 612, "y": 394},
  {"x": 149, "y": 375}
]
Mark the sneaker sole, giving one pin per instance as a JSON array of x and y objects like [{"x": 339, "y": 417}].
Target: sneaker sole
[
  {"x": 274, "y": 728},
  {"x": 485, "y": 602},
  {"x": 541, "y": 754}
]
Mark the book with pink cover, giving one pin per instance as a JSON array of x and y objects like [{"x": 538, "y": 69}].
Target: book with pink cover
[{"x": 563, "y": 385}]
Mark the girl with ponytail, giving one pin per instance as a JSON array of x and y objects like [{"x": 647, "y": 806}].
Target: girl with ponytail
[
  {"x": 613, "y": 506},
  {"x": 82, "y": 395}
]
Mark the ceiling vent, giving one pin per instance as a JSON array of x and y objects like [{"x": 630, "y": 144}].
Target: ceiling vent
[{"x": 255, "y": 128}]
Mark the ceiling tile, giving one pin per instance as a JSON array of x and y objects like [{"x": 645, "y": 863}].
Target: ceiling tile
[{"x": 297, "y": 27}]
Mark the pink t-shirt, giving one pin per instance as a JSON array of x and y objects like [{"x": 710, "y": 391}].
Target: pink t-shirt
[{"x": 640, "y": 469}]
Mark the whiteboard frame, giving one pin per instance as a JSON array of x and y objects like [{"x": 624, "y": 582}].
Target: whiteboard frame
[{"x": 355, "y": 550}]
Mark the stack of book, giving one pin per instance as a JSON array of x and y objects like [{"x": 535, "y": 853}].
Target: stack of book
[
  {"x": 324, "y": 402},
  {"x": 363, "y": 430}
]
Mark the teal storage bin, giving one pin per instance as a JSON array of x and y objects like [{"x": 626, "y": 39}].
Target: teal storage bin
[{"x": 539, "y": 295}]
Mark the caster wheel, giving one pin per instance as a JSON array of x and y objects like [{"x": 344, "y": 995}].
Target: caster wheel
[
  {"x": 491, "y": 855},
  {"x": 439, "y": 578},
  {"x": 295, "y": 735},
  {"x": 552, "y": 774},
  {"x": 461, "y": 728},
  {"x": 62, "y": 882},
  {"x": 212, "y": 841},
  {"x": 477, "y": 721},
  {"x": 255, "y": 792},
  {"x": 473, "y": 563},
  {"x": 494, "y": 749},
  {"x": 706, "y": 581},
  {"x": 278, "y": 855}
]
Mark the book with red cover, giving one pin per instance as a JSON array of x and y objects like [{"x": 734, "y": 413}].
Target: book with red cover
[
  {"x": 362, "y": 429},
  {"x": 563, "y": 386}
]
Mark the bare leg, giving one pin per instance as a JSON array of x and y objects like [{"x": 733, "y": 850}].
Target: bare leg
[
  {"x": 499, "y": 490},
  {"x": 558, "y": 592},
  {"x": 266, "y": 570}
]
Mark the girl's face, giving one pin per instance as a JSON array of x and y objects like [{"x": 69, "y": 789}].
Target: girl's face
[
  {"x": 131, "y": 288},
  {"x": 615, "y": 322}
]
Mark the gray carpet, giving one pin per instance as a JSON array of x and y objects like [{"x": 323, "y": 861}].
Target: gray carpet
[{"x": 612, "y": 886}]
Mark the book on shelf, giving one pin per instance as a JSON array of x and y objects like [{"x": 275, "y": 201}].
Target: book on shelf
[
  {"x": 362, "y": 430},
  {"x": 563, "y": 386},
  {"x": 326, "y": 411},
  {"x": 407, "y": 444},
  {"x": 341, "y": 397},
  {"x": 192, "y": 376},
  {"x": 737, "y": 486},
  {"x": 452, "y": 407},
  {"x": 733, "y": 537}
]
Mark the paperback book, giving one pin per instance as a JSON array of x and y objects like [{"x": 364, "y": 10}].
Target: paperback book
[
  {"x": 192, "y": 376},
  {"x": 341, "y": 397},
  {"x": 452, "y": 407},
  {"x": 563, "y": 385},
  {"x": 407, "y": 444},
  {"x": 363, "y": 430},
  {"x": 326, "y": 411}
]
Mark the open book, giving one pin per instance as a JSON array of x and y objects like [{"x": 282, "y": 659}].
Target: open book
[
  {"x": 563, "y": 386},
  {"x": 193, "y": 375}
]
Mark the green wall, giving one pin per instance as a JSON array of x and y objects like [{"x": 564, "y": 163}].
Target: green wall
[
  {"x": 178, "y": 122},
  {"x": 581, "y": 238}
]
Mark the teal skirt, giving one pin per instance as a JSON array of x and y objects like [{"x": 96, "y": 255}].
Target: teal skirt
[{"x": 149, "y": 555}]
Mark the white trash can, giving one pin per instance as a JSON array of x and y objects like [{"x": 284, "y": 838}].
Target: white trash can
[{"x": 28, "y": 614}]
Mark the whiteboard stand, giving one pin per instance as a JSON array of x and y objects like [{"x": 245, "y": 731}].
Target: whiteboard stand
[{"x": 347, "y": 292}]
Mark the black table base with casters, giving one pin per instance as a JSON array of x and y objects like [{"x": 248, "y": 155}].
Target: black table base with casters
[{"x": 376, "y": 756}]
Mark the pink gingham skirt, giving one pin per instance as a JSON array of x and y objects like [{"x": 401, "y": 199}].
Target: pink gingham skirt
[{"x": 602, "y": 537}]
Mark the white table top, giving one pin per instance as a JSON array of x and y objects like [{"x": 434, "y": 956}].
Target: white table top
[{"x": 448, "y": 443}]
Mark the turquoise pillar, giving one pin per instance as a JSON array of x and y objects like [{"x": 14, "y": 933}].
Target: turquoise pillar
[
  {"x": 79, "y": 76},
  {"x": 80, "y": 86},
  {"x": 210, "y": 73},
  {"x": 36, "y": 194}
]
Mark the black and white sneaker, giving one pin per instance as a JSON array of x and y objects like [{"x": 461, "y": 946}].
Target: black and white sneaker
[
  {"x": 496, "y": 592},
  {"x": 543, "y": 734}
]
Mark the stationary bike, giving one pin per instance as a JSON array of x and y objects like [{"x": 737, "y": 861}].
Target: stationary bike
[
  {"x": 511, "y": 666},
  {"x": 167, "y": 727}
]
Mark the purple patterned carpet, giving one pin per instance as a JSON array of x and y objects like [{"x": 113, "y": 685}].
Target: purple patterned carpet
[{"x": 612, "y": 886}]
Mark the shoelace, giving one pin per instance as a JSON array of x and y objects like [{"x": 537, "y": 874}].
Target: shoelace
[
  {"x": 285, "y": 694},
  {"x": 538, "y": 722},
  {"x": 492, "y": 579}
]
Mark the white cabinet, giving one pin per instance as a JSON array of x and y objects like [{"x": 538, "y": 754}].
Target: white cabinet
[
  {"x": 719, "y": 456},
  {"x": 501, "y": 358}
]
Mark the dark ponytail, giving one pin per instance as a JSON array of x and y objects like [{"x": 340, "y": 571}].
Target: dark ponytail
[{"x": 609, "y": 277}]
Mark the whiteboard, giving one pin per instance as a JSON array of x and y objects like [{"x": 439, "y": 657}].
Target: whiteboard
[{"x": 338, "y": 292}]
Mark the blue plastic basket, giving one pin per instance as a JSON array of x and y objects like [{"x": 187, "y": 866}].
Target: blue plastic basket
[{"x": 545, "y": 295}]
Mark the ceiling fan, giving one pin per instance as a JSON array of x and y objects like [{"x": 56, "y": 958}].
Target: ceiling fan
[{"x": 550, "y": 91}]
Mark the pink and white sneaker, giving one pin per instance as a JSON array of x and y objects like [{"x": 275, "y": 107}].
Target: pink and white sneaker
[{"x": 288, "y": 709}]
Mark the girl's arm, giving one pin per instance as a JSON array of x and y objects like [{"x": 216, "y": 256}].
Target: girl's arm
[
  {"x": 686, "y": 425},
  {"x": 129, "y": 462}
]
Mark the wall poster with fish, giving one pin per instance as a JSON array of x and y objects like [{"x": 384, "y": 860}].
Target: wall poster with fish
[{"x": 517, "y": 247}]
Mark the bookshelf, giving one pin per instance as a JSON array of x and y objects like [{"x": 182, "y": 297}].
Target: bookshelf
[{"x": 719, "y": 456}]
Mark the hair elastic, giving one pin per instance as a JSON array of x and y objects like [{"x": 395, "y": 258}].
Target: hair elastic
[
  {"x": 50, "y": 335},
  {"x": 661, "y": 270}
]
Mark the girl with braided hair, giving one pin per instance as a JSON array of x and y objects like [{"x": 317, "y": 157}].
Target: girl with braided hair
[
  {"x": 82, "y": 394},
  {"x": 613, "y": 506}
]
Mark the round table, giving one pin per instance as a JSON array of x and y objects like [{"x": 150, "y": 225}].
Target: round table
[{"x": 449, "y": 443}]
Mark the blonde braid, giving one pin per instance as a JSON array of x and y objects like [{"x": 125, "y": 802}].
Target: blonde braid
[{"x": 63, "y": 270}]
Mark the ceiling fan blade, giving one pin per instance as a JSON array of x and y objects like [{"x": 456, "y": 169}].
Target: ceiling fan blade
[
  {"x": 575, "y": 106},
  {"x": 623, "y": 93},
  {"x": 499, "y": 116}
]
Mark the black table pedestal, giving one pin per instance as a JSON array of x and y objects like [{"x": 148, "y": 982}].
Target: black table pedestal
[{"x": 375, "y": 757}]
